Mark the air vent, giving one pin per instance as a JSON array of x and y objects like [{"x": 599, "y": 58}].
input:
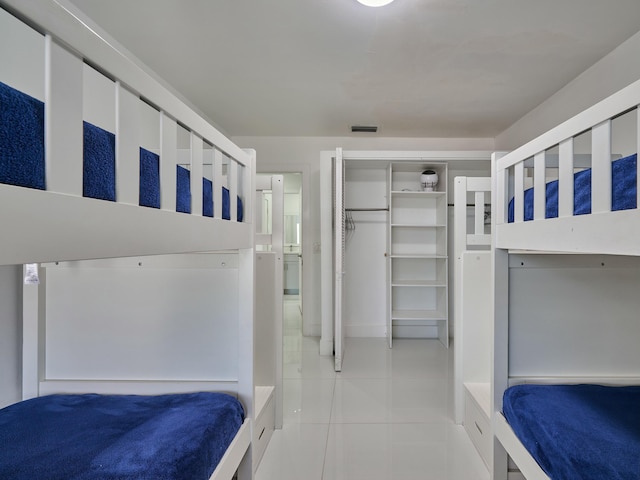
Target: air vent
[{"x": 364, "y": 128}]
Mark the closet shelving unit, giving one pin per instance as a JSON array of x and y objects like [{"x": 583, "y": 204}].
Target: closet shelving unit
[{"x": 417, "y": 256}]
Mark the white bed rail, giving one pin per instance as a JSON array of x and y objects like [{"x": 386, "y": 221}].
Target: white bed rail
[
  {"x": 478, "y": 235},
  {"x": 63, "y": 60},
  {"x": 469, "y": 234},
  {"x": 602, "y": 231}
]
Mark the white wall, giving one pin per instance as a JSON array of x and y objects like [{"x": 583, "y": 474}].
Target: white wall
[
  {"x": 10, "y": 335},
  {"x": 613, "y": 72},
  {"x": 286, "y": 154}
]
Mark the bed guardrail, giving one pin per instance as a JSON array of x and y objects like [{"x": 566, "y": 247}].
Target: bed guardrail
[
  {"x": 585, "y": 167},
  {"x": 80, "y": 118}
]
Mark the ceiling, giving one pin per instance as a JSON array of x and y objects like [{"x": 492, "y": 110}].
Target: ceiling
[{"x": 415, "y": 68}]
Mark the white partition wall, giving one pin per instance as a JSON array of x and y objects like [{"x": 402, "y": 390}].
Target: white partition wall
[
  {"x": 190, "y": 337},
  {"x": 270, "y": 236}
]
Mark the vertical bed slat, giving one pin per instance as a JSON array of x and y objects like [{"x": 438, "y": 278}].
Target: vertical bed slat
[
  {"x": 565, "y": 178},
  {"x": 63, "y": 119},
  {"x": 478, "y": 214},
  {"x": 168, "y": 160},
  {"x": 500, "y": 188},
  {"x": 32, "y": 348},
  {"x": 233, "y": 190},
  {"x": 601, "y": 168},
  {"x": 197, "y": 154},
  {"x": 246, "y": 183},
  {"x": 539, "y": 180},
  {"x": 127, "y": 146},
  {"x": 217, "y": 184},
  {"x": 518, "y": 202}
]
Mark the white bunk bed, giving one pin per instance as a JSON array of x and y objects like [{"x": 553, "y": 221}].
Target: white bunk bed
[
  {"x": 119, "y": 298},
  {"x": 565, "y": 298},
  {"x": 269, "y": 224},
  {"x": 472, "y": 309}
]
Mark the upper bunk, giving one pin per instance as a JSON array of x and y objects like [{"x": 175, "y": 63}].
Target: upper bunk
[
  {"x": 574, "y": 188},
  {"x": 98, "y": 158}
]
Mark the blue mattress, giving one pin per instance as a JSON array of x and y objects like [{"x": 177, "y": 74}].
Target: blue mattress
[
  {"x": 109, "y": 437},
  {"x": 578, "y": 432},
  {"x": 623, "y": 191}
]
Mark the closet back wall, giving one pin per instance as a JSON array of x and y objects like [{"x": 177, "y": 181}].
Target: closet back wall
[{"x": 365, "y": 261}]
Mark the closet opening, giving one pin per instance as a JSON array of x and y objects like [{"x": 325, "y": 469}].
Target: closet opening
[{"x": 293, "y": 328}]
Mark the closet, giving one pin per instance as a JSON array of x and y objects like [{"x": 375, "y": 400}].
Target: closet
[{"x": 384, "y": 245}]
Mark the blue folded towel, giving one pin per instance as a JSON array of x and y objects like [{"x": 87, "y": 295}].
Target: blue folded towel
[
  {"x": 207, "y": 197},
  {"x": 226, "y": 206},
  {"x": 183, "y": 190},
  {"x": 21, "y": 139},
  {"x": 623, "y": 191},
  {"x": 149, "y": 179},
  {"x": 99, "y": 179}
]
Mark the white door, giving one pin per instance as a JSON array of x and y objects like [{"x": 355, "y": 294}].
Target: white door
[{"x": 339, "y": 251}]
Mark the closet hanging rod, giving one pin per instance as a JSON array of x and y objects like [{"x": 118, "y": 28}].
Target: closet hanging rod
[{"x": 367, "y": 209}]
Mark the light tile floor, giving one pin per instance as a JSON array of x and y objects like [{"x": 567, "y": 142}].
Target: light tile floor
[{"x": 386, "y": 416}]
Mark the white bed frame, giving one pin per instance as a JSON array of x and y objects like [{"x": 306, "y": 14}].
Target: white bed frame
[
  {"x": 53, "y": 53},
  {"x": 269, "y": 224},
  {"x": 472, "y": 309},
  {"x": 467, "y": 238},
  {"x": 613, "y": 236}
]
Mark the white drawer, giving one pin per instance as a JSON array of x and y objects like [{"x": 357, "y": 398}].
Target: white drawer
[
  {"x": 262, "y": 431},
  {"x": 477, "y": 426}
]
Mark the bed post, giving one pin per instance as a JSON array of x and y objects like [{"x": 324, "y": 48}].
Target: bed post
[
  {"x": 460, "y": 243},
  {"x": 246, "y": 318},
  {"x": 33, "y": 311},
  {"x": 499, "y": 371}
]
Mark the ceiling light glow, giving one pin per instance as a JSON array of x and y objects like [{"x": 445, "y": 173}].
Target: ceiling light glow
[{"x": 375, "y": 3}]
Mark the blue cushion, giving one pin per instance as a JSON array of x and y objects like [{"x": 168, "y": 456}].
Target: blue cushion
[
  {"x": 149, "y": 179},
  {"x": 22, "y": 160},
  {"x": 207, "y": 197},
  {"x": 183, "y": 190},
  {"x": 623, "y": 191},
  {"x": 99, "y": 152}
]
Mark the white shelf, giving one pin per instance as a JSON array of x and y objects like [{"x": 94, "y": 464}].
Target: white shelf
[
  {"x": 418, "y": 283},
  {"x": 262, "y": 396},
  {"x": 417, "y": 193},
  {"x": 419, "y": 255},
  {"x": 418, "y": 315},
  {"x": 481, "y": 392},
  {"x": 417, "y": 225}
]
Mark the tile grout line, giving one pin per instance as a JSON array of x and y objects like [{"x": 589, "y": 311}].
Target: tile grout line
[{"x": 326, "y": 444}]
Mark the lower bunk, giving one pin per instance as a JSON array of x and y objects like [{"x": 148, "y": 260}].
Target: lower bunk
[
  {"x": 582, "y": 431},
  {"x": 108, "y": 437},
  {"x": 566, "y": 382},
  {"x": 135, "y": 368}
]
